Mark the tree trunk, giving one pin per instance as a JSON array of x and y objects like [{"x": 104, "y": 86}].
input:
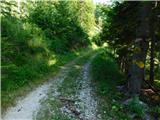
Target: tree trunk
[
  {"x": 141, "y": 46},
  {"x": 137, "y": 67}
]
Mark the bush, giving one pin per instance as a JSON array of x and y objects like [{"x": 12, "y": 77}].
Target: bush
[
  {"x": 23, "y": 48},
  {"x": 105, "y": 67},
  {"x": 106, "y": 77},
  {"x": 64, "y": 31}
]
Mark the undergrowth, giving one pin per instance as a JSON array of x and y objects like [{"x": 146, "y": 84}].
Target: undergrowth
[
  {"x": 19, "y": 80},
  {"x": 106, "y": 76}
]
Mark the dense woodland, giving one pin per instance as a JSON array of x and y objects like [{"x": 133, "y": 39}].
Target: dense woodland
[
  {"x": 131, "y": 29},
  {"x": 37, "y": 37}
]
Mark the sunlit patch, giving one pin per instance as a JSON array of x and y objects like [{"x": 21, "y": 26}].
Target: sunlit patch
[
  {"x": 157, "y": 81},
  {"x": 52, "y": 62},
  {"x": 62, "y": 67},
  {"x": 77, "y": 53},
  {"x": 94, "y": 46},
  {"x": 53, "y": 56},
  {"x": 105, "y": 44},
  {"x": 156, "y": 61},
  {"x": 77, "y": 66},
  {"x": 35, "y": 42}
]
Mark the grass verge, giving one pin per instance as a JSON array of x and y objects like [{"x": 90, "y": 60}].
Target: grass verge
[{"x": 105, "y": 78}]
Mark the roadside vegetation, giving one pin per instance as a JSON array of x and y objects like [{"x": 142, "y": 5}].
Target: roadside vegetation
[
  {"x": 132, "y": 33},
  {"x": 33, "y": 77},
  {"x": 108, "y": 83},
  {"x": 40, "y": 38},
  {"x": 105, "y": 77},
  {"x": 37, "y": 38}
]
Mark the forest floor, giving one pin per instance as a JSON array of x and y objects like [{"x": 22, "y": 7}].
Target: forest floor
[{"x": 68, "y": 94}]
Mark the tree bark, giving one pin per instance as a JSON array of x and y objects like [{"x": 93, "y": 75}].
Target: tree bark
[
  {"x": 137, "y": 67},
  {"x": 141, "y": 44}
]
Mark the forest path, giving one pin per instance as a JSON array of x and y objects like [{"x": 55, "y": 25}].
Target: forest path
[
  {"x": 85, "y": 93},
  {"x": 28, "y": 107}
]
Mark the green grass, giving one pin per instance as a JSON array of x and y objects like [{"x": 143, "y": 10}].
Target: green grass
[
  {"x": 51, "y": 111},
  {"x": 105, "y": 78},
  {"x": 17, "y": 81},
  {"x": 70, "y": 80},
  {"x": 135, "y": 107},
  {"x": 67, "y": 89}
]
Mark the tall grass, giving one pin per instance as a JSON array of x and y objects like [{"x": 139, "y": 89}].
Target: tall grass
[
  {"x": 105, "y": 77},
  {"x": 105, "y": 71}
]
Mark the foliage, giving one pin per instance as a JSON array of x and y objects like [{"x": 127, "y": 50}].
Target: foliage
[
  {"x": 122, "y": 24},
  {"x": 105, "y": 78},
  {"x": 32, "y": 36},
  {"x": 120, "y": 29},
  {"x": 96, "y": 39},
  {"x": 39, "y": 36},
  {"x": 62, "y": 23}
]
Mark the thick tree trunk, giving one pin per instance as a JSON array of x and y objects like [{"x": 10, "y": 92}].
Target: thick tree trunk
[
  {"x": 141, "y": 46},
  {"x": 137, "y": 67}
]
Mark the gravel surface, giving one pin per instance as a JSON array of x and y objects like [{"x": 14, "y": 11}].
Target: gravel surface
[
  {"x": 85, "y": 105},
  {"x": 83, "y": 108},
  {"x": 28, "y": 107},
  {"x": 85, "y": 95}
]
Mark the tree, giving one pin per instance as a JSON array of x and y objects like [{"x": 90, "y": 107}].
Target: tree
[
  {"x": 126, "y": 30},
  {"x": 65, "y": 23},
  {"x": 141, "y": 45}
]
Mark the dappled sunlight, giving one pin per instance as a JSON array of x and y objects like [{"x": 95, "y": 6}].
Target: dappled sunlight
[
  {"x": 36, "y": 42},
  {"x": 77, "y": 53},
  {"x": 105, "y": 44},
  {"x": 116, "y": 45},
  {"x": 77, "y": 66},
  {"x": 94, "y": 46},
  {"x": 52, "y": 62},
  {"x": 156, "y": 61},
  {"x": 62, "y": 67},
  {"x": 157, "y": 81}
]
